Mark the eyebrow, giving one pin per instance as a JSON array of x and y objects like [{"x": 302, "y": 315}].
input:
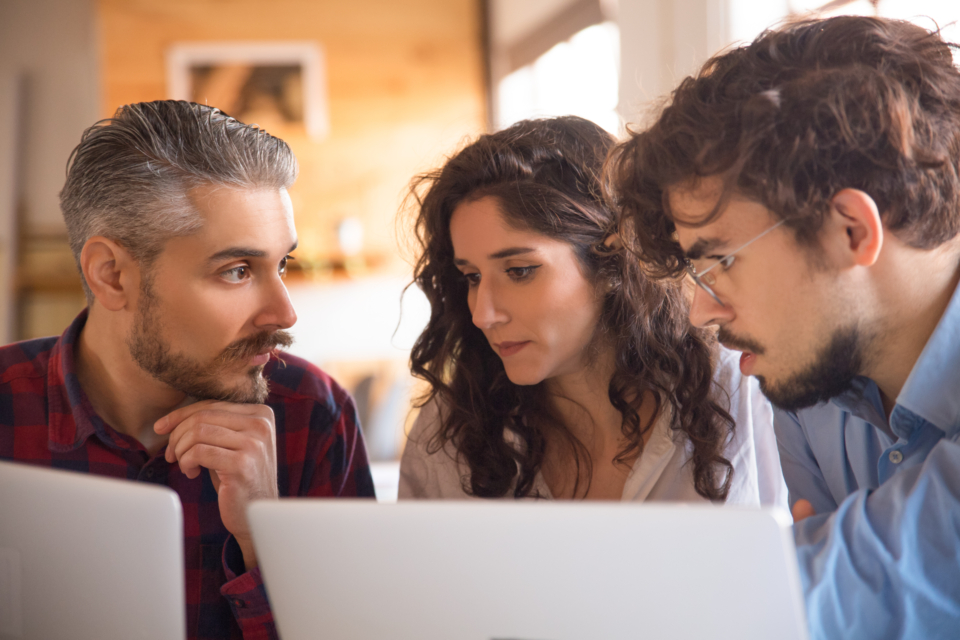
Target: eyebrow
[
  {"x": 499, "y": 255},
  {"x": 703, "y": 246},
  {"x": 234, "y": 253}
]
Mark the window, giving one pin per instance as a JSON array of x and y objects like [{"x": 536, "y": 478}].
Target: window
[{"x": 577, "y": 77}]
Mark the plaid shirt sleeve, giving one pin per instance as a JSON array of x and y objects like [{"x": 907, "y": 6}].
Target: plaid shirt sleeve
[
  {"x": 320, "y": 453},
  {"x": 246, "y": 595}
]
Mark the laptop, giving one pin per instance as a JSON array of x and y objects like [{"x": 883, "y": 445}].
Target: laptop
[
  {"x": 503, "y": 570},
  {"x": 88, "y": 557}
]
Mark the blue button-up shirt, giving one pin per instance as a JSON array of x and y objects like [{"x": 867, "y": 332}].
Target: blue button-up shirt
[{"x": 881, "y": 559}]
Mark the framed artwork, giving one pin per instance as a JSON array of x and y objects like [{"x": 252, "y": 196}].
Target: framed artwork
[{"x": 277, "y": 85}]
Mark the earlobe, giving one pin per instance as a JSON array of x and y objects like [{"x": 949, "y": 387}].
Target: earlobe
[
  {"x": 110, "y": 272},
  {"x": 856, "y": 213}
]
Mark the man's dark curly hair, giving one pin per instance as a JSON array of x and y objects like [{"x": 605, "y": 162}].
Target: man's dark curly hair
[
  {"x": 795, "y": 117},
  {"x": 545, "y": 176}
]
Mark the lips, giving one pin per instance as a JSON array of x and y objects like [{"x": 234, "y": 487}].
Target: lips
[
  {"x": 260, "y": 359},
  {"x": 746, "y": 362},
  {"x": 506, "y": 349}
]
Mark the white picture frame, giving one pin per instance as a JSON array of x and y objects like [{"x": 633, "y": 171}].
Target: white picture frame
[{"x": 187, "y": 60}]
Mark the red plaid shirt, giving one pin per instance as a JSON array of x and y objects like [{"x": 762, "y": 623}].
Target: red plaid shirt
[{"x": 46, "y": 419}]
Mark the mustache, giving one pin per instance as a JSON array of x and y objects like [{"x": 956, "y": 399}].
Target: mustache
[
  {"x": 246, "y": 348},
  {"x": 737, "y": 343}
]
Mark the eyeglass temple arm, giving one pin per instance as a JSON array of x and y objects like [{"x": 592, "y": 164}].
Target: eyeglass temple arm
[{"x": 741, "y": 247}]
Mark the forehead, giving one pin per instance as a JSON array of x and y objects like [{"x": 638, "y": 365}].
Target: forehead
[
  {"x": 479, "y": 225},
  {"x": 693, "y": 202},
  {"x": 232, "y": 216}
]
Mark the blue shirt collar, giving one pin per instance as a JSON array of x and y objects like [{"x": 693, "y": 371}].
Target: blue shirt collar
[
  {"x": 932, "y": 390},
  {"x": 863, "y": 401}
]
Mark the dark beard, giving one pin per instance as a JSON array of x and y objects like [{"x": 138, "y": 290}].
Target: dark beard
[
  {"x": 830, "y": 374},
  {"x": 196, "y": 379}
]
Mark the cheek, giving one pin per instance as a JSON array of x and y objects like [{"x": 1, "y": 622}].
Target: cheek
[
  {"x": 204, "y": 320},
  {"x": 573, "y": 308}
]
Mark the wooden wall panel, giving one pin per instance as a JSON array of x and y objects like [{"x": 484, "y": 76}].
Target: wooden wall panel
[{"x": 405, "y": 87}]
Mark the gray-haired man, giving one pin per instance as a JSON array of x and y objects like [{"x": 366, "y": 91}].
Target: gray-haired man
[{"x": 181, "y": 225}]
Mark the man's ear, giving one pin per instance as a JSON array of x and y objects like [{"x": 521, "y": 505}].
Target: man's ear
[
  {"x": 857, "y": 229},
  {"x": 112, "y": 274}
]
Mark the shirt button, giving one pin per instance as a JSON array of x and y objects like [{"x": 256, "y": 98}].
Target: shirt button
[
  {"x": 896, "y": 457},
  {"x": 238, "y": 603}
]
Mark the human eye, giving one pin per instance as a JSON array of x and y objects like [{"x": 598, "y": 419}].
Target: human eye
[
  {"x": 472, "y": 278},
  {"x": 282, "y": 269},
  {"x": 519, "y": 274},
  {"x": 236, "y": 274},
  {"x": 727, "y": 261}
]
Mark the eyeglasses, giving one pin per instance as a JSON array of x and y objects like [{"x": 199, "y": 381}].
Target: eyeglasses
[{"x": 706, "y": 281}]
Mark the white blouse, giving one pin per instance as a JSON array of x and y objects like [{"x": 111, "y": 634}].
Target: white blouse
[{"x": 660, "y": 473}]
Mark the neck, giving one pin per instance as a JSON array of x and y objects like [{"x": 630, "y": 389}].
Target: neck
[
  {"x": 125, "y": 396},
  {"x": 917, "y": 293},
  {"x": 582, "y": 399}
]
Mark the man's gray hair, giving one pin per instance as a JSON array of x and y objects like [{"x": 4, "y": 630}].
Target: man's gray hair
[{"x": 129, "y": 178}]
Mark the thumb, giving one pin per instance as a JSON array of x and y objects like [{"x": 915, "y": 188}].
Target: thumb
[{"x": 802, "y": 509}]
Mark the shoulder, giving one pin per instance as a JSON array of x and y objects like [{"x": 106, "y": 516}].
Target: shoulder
[
  {"x": 428, "y": 423},
  {"x": 423, "y": 438},
  {"x": 292, "y": 377},
  {"x": 305, "y": 393},
  {"x": 428, "y": 470},
  {"x": 27, "y": 359}
]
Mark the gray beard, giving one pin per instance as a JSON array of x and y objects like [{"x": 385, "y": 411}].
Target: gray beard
[{"x": 179, "y": 371}]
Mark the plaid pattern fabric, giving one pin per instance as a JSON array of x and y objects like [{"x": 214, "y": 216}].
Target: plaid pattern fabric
[{"x": 47, "y": 420}]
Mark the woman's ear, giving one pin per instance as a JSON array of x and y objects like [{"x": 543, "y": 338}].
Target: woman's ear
[
  {"x": 855, "y": 231},
  {"x": 110, "y": 271},
  {"x": 613, "y": 242}
]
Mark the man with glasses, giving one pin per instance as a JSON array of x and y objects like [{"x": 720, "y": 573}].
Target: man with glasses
[{"x": 808, "y": 183}]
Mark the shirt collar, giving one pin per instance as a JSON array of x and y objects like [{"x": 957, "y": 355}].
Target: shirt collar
[
  {"x": 932, "y": 390},
  {"x": 863, "y": 401},
  {"x": 72, "y": 418}
]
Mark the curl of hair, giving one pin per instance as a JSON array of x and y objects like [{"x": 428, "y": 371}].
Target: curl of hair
[
  {"x": 545, "y": 175},
  {"x": 129, "y": 178},
  {"x": 795, "y": 117}
]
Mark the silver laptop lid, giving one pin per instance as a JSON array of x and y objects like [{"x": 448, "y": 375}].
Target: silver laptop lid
[
  {"x": 88, "y": 557},
  {"x": 346, "y": 570}
]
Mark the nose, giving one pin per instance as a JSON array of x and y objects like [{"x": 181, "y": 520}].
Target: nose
[
  {"x": 705, "y": 311},
  {"x": 486, "y": 308},
  {"x": 277, "y": 310}
]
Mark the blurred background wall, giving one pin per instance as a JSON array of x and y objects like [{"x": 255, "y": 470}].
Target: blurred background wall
[{"x": 401, "y": 85}]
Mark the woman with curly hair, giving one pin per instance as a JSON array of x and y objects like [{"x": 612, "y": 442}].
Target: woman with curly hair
[{"x": 557, "y": 368}]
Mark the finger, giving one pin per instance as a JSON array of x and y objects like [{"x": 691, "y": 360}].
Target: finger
[
  {"x": 802, "y": 509},
  {"x": 211, "y": 434},
  {"x": 259, "y": 426},
  {"x": 222, "y": 461},
  {"x": 170, "y": 421}
]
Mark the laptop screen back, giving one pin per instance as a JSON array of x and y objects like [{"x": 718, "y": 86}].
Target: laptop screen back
[
  {"x": 527, "y": 571},
  {"x": 88, "y": 557}
]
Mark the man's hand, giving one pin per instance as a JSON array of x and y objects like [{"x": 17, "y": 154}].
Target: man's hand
[
  {"x": 237, "y": 443},
  {"x": 802, "y": 509}
]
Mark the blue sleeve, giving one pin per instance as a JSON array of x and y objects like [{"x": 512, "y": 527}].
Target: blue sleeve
[
  {"x": 800, "y": 469},
  {"x": 886, "y": 563}
]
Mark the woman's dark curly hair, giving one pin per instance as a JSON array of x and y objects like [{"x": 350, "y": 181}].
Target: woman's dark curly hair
[{"x": 545, "y": 175}]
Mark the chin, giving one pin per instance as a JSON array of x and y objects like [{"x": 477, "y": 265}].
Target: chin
[
  {"x": 249, "y": 388},
  {"x": 523, "y": 378}
]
